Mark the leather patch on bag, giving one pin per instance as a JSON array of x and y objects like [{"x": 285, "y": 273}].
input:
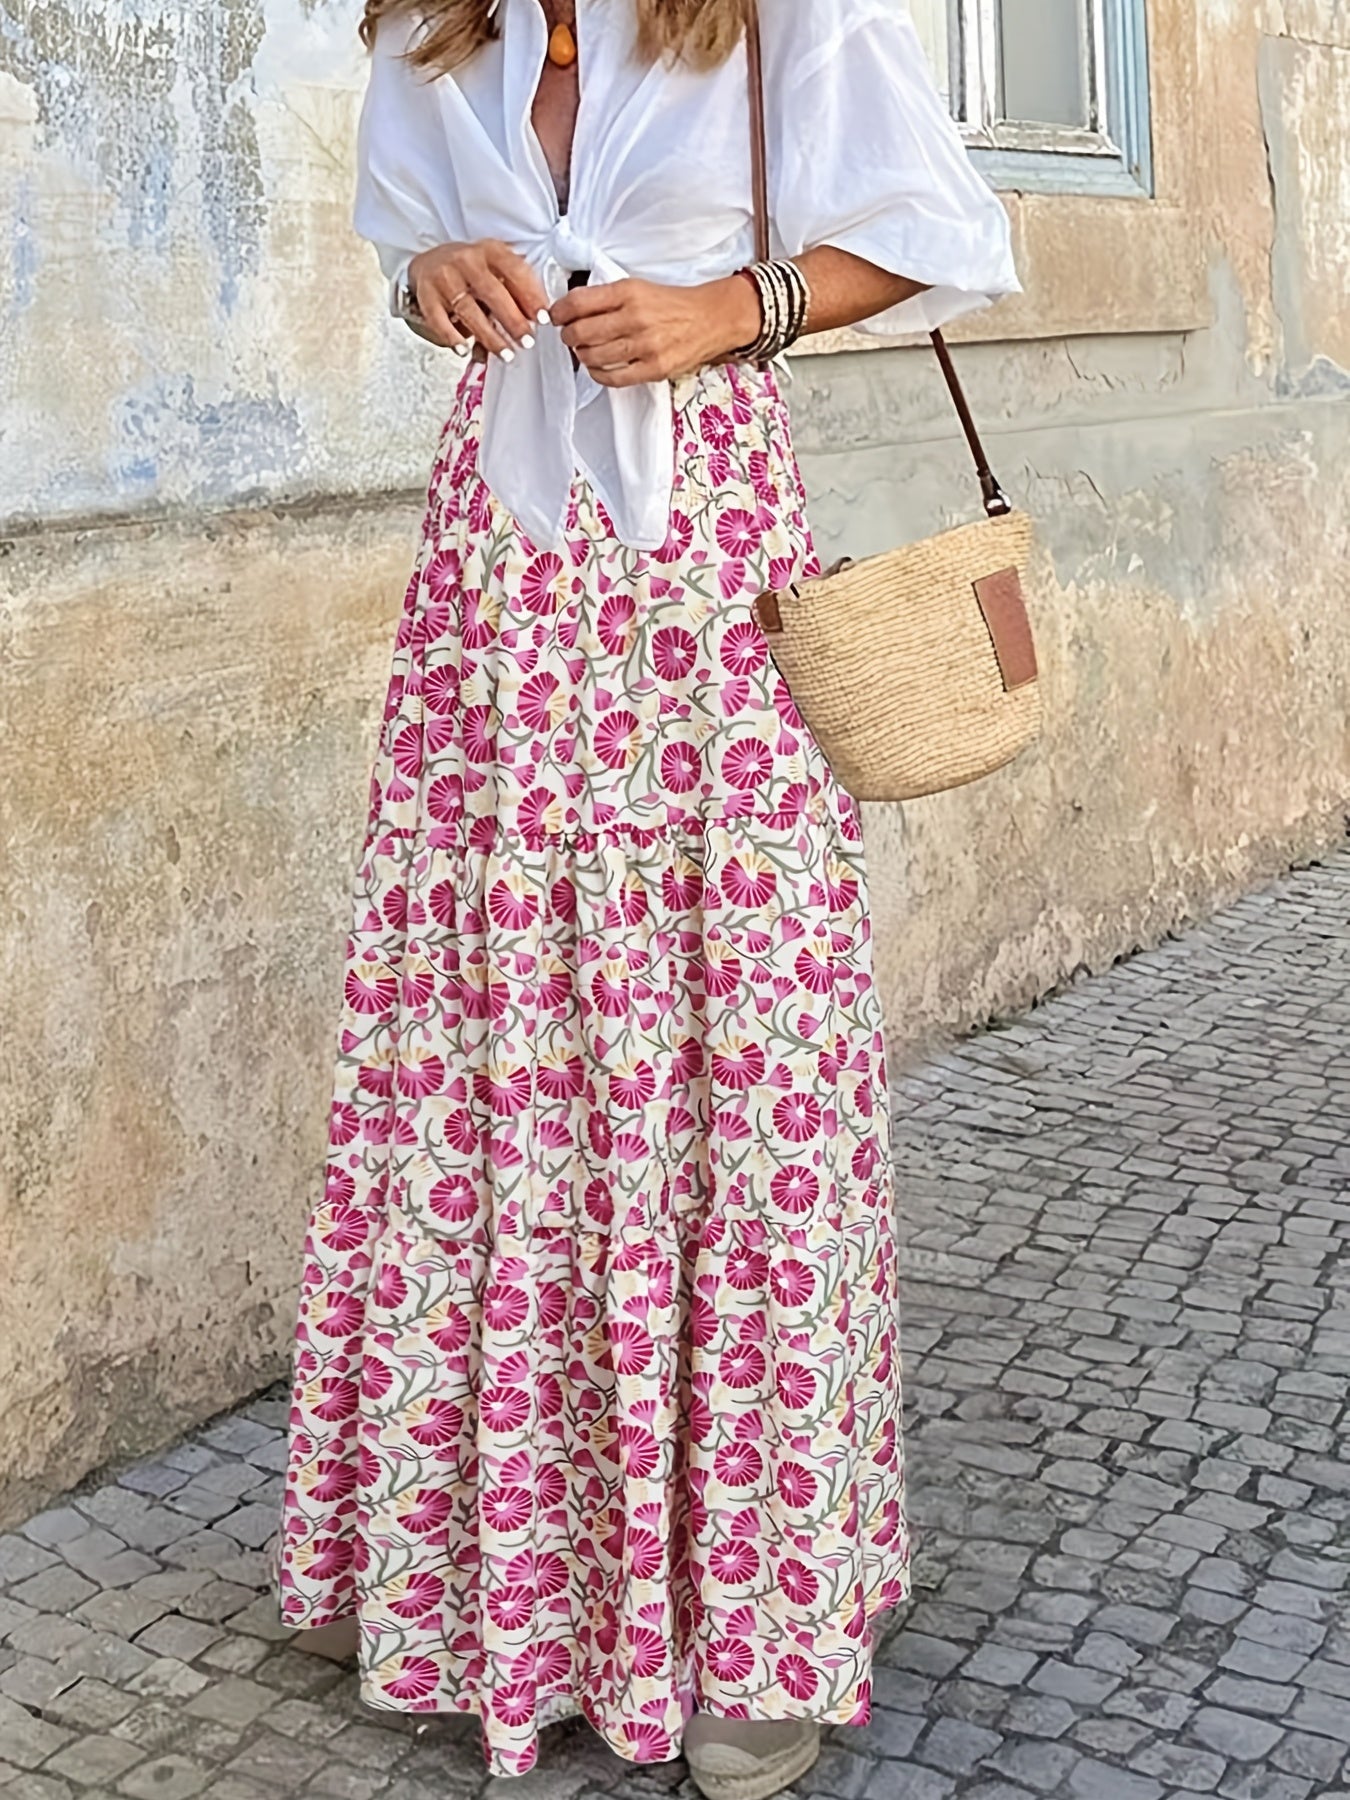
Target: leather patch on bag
[
  {"x": 769, "y": 611},
  {"x": 1005, "y": 613}
]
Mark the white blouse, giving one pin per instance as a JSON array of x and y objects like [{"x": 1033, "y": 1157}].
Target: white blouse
[{"x": 863, "y": 156}]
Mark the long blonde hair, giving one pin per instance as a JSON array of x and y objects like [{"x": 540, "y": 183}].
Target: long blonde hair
[{"x": 700, "y": 32}]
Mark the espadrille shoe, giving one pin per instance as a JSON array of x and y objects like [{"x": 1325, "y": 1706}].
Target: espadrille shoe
[{"x": 743, "y": 1759}]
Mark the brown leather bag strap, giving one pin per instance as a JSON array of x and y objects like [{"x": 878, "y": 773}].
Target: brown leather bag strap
[
  {"x": 996, "y": 502},
  {"x": 759, "y": 136}
]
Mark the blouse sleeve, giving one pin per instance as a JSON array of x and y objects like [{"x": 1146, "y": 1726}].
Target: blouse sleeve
[
  {"x": 865, "y": 157},
  {"x": 406, "y": 197}
]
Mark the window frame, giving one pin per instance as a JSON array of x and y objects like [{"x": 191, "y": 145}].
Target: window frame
[{"x": 1111, "y": 156}]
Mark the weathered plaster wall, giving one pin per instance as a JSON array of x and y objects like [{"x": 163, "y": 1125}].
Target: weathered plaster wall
[
  {"x": 210, "y": 442},
  {"x": 186, "y": 709},
  {"x": 186, "y": 319}
]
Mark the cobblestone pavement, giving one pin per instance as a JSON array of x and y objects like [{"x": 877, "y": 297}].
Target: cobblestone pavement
[{"x": 1128, "y": 1230}]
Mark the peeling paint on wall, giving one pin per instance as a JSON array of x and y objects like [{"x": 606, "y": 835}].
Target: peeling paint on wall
[
  {"x": 215, "y": 451},
  {"x": 174, "y": 218},
  {"x": 104, "y": 85},
  {"x": 106, "y": 89},
  {"x": 23, "y": 246}
]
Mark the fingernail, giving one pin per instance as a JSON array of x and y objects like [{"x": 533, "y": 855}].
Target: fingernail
[
  {"x": 508, "y": 355},
  {"x": 527, "y": 342},
  {"x": 543, "y": 315}
]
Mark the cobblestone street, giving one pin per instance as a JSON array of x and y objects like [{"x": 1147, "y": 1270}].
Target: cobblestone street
[{"x": 1127, "y": 1228}]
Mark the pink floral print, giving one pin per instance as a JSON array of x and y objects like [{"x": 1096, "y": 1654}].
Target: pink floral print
[{"x": 597, "y": 1394}]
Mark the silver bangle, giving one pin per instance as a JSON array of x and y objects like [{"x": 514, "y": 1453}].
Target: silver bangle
[{"x": 405, "y": 303}]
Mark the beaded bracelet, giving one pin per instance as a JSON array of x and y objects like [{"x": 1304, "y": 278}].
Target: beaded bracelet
[{"x": 785, "y": 305}]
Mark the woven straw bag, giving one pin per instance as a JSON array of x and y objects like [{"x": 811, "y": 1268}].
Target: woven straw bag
[{"x": 915, "y": 670}]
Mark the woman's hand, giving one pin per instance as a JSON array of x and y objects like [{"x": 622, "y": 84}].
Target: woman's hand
[
  {"x": 631, "y": 332},
  {"x": 481, "y": 291}
]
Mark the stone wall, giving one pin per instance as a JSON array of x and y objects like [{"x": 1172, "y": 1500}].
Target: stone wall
[{"x": 210, "y": 449}]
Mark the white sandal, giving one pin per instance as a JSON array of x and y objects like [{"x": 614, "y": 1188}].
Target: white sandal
[{"x": 748, "y": 1759}]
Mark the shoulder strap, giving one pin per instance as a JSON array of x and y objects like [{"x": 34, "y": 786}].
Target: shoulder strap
[
  {"x": 996, "y": 501},
  {"x": 759, "y": 136}
]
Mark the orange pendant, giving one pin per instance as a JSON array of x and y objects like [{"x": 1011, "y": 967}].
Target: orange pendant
[{"x": 562, "y": 47}]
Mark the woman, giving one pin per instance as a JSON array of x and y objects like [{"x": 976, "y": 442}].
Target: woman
[{"x": 598, "y": 1389}]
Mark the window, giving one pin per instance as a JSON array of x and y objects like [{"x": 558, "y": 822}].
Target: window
[{"x": 1051, "y": 94}]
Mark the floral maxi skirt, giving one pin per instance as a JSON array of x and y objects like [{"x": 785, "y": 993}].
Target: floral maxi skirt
[{"x": 597, "y": 1394}]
